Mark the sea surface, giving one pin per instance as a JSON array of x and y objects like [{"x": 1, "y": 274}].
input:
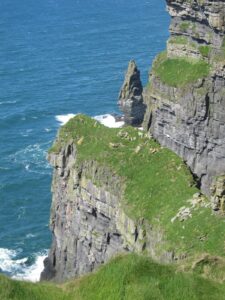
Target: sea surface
[{"x": 57, "y": 58}]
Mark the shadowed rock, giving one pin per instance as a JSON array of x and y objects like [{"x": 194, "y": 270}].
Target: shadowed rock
[
  {"x": 189, "y": 118},
  {"x": 130, "y": 97}
]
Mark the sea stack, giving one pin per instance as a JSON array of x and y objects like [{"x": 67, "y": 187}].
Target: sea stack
[
  {"x": 130, "y": 97},
  {"x": 123, "y": 190}
]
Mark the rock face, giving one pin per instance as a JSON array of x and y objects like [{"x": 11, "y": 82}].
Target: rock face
[
  {"x": 130, "y": 97},
  {"x": 218, "y": 194},
  {"x": 88, "y": 223},
  {"x": 190, "y": 119}
]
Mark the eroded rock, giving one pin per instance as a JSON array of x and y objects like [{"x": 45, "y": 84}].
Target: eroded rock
[
  {"x": 218, "y": 194},
  {"x": 130, "y": 97},
  {"x": 190, "y": 119}
]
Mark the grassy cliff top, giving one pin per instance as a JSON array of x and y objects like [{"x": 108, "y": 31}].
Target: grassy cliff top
[
  {"x": 128, "y": 277},
  {"x": 150, "y": 173},
  {"x": 178, "y": 72},
  {"x": 158, "y": 185}
]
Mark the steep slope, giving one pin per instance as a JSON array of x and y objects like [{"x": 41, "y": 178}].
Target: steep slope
[
  {"x": 185, "y": 97},
  {"x": 117, "y": 190}
]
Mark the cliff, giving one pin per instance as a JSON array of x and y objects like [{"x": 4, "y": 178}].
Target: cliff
[
  {"x": 185, "y": 97},
  {"x": 118, "y": 191}
]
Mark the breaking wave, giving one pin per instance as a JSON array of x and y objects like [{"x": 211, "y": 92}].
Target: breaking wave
[
  {"x": 21, "y": 268},
  {"x": 107, "y": 120}
]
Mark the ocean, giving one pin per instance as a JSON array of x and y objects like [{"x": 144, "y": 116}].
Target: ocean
[{"x": 58, "y": 58}]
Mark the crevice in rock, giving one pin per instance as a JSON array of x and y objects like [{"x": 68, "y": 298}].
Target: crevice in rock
[
  {"x": 135, "y": 234},
  {"x": 94, "y": 212}
]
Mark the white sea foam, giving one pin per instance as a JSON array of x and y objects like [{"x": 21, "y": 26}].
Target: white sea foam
[
  {"x": 107, "y": 120},
  {"x": 33, "y": 158},
  {"x": 33, "y": 272},
  {"x": 63, "y": 119},
  {"x": 7, "y": 102},
  {"x": 18, "y": 268},
  {"x": 47, "y": 129},
  {"x": 4, "y": 168},
  {"x": 30, "y": 236}
]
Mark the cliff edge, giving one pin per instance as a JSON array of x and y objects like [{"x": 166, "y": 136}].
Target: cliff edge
[
  {"x": 118, "y": 191},
  {"x": 185, "y": 97}
]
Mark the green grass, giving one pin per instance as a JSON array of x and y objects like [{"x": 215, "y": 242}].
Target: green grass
[
  {"x": 129, "y": 277},
  {"x": 178, "y": 72},
  {"x": 184, "y": 26},
  {"x": 182, "y": 40},
  {"x": 156, "y": 183},
  {"x": 143, "y": 173},
  {"x": 205, "y": 50},
  {"x": 18, "y": 290}
]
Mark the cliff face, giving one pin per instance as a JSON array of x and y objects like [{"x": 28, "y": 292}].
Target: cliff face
[
  {"x": 88, "y": 222},
  {"x": 117, "y": 190},
  {"x": 186, "y": 108}
]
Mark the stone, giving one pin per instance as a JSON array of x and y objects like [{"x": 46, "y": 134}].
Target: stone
[
  {"x": 88, "y": 223},
  {"x": 190, "y": 119},
  {"x": 130, "y": 97},
  {"x": 218, "y": 194}
]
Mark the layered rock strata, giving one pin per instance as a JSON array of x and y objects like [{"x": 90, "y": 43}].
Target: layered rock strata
[
  {"x": 88, "y": 222},
  {"x": 89, "y": 225},
  {"x": 190, "y": 118},
  {"x": 130, "y": 97}
]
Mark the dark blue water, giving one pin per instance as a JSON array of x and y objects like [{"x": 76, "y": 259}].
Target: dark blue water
[{"x": 58, "y": 57}]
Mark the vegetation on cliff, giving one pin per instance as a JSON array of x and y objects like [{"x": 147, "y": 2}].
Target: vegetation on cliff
[
  {"x": 178, "y": 72},
  {"x": 157, "y": 184},
  {"x": 128, "y": 277},
  {"x": 150, "y": 172}
]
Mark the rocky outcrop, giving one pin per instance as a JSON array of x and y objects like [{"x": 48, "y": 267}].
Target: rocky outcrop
[
  {"x": 88, "y": 223},
  {"x": 190, "y": 119},
  {"x": 130, "y": 97},
  {"x": 218, "y": 194}
]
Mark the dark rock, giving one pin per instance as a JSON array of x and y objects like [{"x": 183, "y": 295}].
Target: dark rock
[
  {"x": 130, "y": 97},
  {"x": 87, "y": 220},
  {"x": 190, "y": 119}
]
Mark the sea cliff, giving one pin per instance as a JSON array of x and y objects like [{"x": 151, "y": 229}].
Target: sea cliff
[
  {"x": 185, "y": 97},
  {"x": 124, "y": 190},
  {"x": 118, "y": 191}
]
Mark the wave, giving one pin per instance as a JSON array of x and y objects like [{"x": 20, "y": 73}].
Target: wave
[
  {"x": 30, "y": 235},
  {"x": 4, "y": 168},
  {"x": 20, "y": 268},
  {"x": 107, "y": 120},
  {"x": 63, "y": 119},
  {"x": 8, "y": 102},
  {"x": 47, "y": 129},
  {"x": 33, "y": 158}
]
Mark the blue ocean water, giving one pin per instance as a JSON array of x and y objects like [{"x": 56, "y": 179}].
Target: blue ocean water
[{"x": 58, "y": 57}]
